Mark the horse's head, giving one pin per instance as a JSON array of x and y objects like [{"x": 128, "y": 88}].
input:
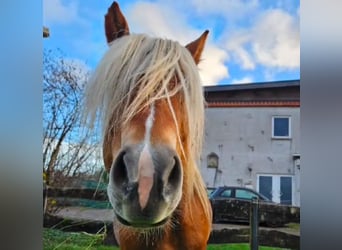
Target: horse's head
[{"x": 153, "y": 108}]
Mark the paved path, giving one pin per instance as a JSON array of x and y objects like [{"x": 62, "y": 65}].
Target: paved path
[
  {"x": 84, "y": 213},
  {"x": 106, "y": 216}
]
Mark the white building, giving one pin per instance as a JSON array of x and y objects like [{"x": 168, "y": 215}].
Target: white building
[{"x": 254, "y": 131}]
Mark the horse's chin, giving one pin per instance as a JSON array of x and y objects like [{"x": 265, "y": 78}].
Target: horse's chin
[{"x": 142, "y": 224}]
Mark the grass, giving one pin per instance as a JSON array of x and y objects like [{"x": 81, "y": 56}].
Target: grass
[
  {"x": 294, "y": 226},
  {"x": 59, "y": 240}
]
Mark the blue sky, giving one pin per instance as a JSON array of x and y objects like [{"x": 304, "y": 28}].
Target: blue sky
[{"x": 249, "y": 40}]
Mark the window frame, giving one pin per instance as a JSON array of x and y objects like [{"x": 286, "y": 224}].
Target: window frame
[{"x": 289, "y": 127}]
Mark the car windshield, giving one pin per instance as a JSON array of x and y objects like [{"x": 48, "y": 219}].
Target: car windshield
[{"x": 213, "y": 193}]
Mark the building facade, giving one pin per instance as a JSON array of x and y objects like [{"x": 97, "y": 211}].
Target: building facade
[{"x": 252, "y": 138}]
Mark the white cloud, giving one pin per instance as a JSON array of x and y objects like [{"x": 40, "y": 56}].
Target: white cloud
[
  {"x": 276, "y": 40},
  {"x": 54, "y": 11},
  {"x": 164, "y": 21},
  {"x": 212, "y": 67},
  {"x": 241, "y": 31},
  {"x": 149, "y": 18},
  {"x": 272, "y": 42},
  {"x": 244, "y": 80},
  {"x": 239, "y": 53}
]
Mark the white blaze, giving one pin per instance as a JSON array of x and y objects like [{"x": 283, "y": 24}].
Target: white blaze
[{"x": 146, "y": 167}]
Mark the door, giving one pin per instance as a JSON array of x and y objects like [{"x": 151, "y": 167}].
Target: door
[
  {"x": 278, "y": 188},
  {"x": 265, "y": 186},
  {"x": 286, "y": 190}
]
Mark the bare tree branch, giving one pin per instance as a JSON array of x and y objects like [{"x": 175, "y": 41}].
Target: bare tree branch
[{"x": 66, "y": 151}]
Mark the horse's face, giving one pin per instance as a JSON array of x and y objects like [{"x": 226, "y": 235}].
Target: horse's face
[
  {"x": 146, "y": 172},
  {"x": 144, "y": 156}
]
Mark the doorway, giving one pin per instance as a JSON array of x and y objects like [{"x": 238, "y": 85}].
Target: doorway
[{"x": 278, "y": 188}]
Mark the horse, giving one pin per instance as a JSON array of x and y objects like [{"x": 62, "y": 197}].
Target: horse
[{"x": 147, "y": 94}]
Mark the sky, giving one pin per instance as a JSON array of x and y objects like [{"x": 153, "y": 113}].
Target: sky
[{"x": 249, "y": 41}]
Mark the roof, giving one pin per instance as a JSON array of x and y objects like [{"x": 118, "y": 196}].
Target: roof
[
  {"x": 257, "y": 85},
  {"x": 262, "y": 94},
  {"x": 232, "y": 104}
]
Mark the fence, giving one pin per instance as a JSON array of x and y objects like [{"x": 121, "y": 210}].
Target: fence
[{"x": 91, "y": 198}]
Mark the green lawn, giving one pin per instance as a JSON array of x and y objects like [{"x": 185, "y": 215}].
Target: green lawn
[
  {"x": 294, "y": 226},
  {"x": 56, "y": 239},
  {"x": 59, "y": 240}
]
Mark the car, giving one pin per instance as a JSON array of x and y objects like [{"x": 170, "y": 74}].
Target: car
[
  {"x": 210, "y": 190},
  {"x": 232, "y": 204}
]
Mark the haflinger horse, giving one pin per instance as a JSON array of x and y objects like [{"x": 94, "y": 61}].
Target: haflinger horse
[{"x": 148, "y": 95}]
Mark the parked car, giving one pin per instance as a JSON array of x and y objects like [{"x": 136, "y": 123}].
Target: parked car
[
  {"x": 232, "y": 204},
  {"x": 210, "y": 190}
]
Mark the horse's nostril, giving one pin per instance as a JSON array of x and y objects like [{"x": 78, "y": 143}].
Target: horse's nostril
[
  {"x": 175, "y": 174},
  {"x": 120, "y": 176}
]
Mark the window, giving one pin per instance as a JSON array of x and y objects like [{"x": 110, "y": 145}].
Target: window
[
  {"x": 226, "y": 193},
  {"x": 212, "y": 160},
  {"x": 281, "y": 127},
  {"x": 244, "y": 194}
]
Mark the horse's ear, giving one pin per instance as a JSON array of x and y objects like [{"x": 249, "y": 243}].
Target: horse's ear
[
  {"x": 196, "y": 47},
  {"x": 115, "y": 23}
]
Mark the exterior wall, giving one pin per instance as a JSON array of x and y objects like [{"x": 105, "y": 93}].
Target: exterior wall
[{"x": 242, "y": 139}]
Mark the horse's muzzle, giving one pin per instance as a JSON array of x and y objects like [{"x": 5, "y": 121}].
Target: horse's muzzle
[{"x": 145, "y": 185}]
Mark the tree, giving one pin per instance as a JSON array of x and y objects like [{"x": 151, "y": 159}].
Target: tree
[{"x": 68, "y": 149}]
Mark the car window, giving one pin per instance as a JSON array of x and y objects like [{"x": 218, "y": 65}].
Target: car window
[
  {"x": 226, "y": 193},
  {"x": 244, "y": 194}
]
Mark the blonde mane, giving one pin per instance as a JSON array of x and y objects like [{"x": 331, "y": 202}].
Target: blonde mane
[{"x": 135, "y": 72}]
